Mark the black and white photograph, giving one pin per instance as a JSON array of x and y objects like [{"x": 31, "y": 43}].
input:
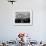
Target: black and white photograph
[{"x": 23, "y": 18}]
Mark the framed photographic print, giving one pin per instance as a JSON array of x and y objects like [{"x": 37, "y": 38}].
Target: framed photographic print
[{"x": 23, "y": 18}]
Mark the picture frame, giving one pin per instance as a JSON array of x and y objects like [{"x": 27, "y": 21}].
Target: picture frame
[{"x": 23, "y": 18}]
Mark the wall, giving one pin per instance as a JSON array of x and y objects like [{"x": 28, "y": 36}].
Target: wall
[{"x": 9, "y": 31}]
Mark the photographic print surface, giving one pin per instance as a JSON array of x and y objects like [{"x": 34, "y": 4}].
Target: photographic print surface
[{"x": 23, "y": 18}]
